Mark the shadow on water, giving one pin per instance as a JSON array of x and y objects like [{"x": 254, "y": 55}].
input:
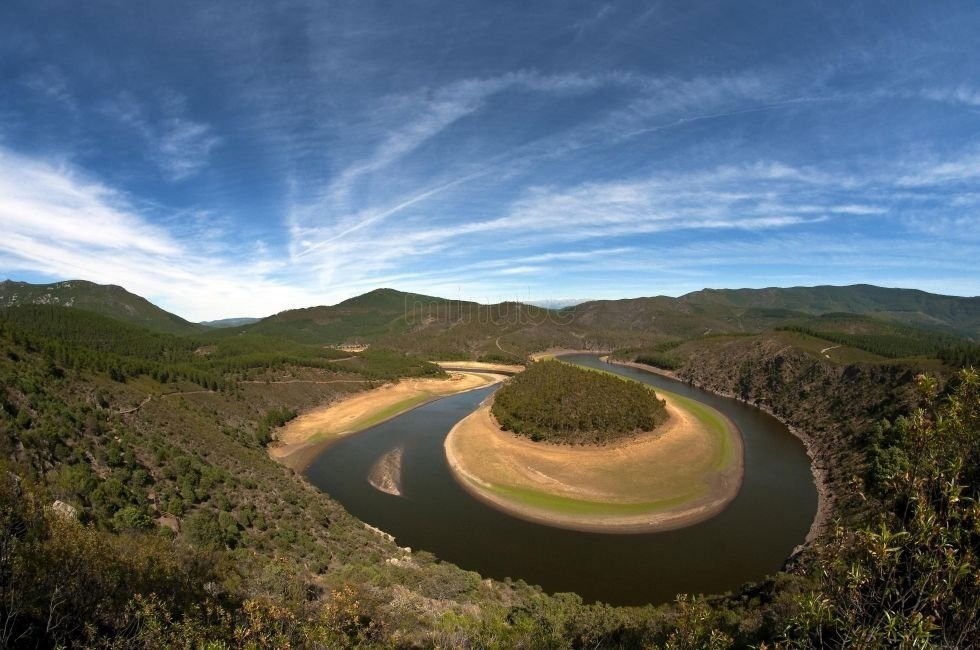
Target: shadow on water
[{"x": 749, "y": 539}]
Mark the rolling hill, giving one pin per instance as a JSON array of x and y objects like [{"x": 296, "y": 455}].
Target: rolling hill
[
  {"x": 105, "y": 299},
  {"x": 895, "y": 322},
  {"x": 735, "y": 310},
  {"x": 364, "y": 318}
]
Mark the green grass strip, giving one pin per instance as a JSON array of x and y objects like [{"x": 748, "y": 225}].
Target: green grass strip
[
  {"x": 709, "y": 416},
  {"x": 378, "y": 416},
  {"x": 568, "y": 505}
]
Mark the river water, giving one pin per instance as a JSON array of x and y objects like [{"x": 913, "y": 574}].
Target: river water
[{"x": 752, "y": 537}]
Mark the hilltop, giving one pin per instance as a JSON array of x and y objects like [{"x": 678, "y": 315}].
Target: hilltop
[
  {"x": 731, "y": 310},
  {"x": 105, "y": 299},
  {"x": 876, "y": 322}
]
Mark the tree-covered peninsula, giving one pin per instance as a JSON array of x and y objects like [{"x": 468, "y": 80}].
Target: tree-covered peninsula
[{"x": 556, "y": 402}]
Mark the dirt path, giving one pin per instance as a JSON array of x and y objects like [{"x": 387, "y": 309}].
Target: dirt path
[
  {"x": 149, "y": 398},
  {"x": 507, "y": 352},
  {"x": 826, "y": 350}
]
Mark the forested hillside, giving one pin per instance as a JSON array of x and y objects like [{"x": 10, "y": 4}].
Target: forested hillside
[
  {"x": 107, "y": 300},
  {"x": 741, "y": 310},
  {"x": 173, "y": 527},
  {"x": 556, "y": 402}
]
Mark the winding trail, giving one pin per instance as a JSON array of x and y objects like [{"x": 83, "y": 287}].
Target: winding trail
[
  {"x": 149, "y": 398},
  {"x": 826, "y": 350}
]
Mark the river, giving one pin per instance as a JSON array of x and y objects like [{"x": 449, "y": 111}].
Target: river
[{"x": 752, "y": 537}]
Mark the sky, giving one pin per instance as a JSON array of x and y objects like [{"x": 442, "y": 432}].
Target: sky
[{"x": 240, "y": 158}]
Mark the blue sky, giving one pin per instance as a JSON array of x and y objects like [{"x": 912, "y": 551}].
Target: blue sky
[{"x": 230, "y": 159}]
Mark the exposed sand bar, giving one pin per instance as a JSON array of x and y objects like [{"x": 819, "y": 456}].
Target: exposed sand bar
[
  {"x": 551, "y": 353},
  {"x": 302, "y": 439},
  {"x": 480, "y": 366},
  {"x": 686, "y": 471}
]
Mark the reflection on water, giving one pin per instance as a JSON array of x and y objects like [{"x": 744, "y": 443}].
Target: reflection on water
[{"x": 750, "y": 538}]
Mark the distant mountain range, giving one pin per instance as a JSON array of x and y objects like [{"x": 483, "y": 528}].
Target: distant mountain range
[
  {"x": 434, "y": 325},
  {"x": 728, "y": 310},
  {"x": 229, "y": 322}
]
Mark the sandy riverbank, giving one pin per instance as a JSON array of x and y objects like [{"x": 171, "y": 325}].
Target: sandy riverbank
[
  {"x": 480, "y": 366},
  {"x": 642, "y": 366},
  {"x": 686, "y": 471},
  {"x": 814, "y": 449},
  {"x": 554, "y": 352},
  {"x": 302, "y": 439}
]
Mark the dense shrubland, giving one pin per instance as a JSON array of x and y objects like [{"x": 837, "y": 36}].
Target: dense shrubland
[
  {"x": 909, "y": 577},
  {"x": 904, "y": 578},
  {"x": 964, "y": 355},
  {"x": 81, "y": 340},
  {"x": 188, "y": 535},
  {"x": 657, "y": 355},
  {"x": 884, "y": 339},
  {"x": 557, "y": 402}
]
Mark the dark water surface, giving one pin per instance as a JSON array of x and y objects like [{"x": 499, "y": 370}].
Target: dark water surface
[{"x": 749, "y": 539}]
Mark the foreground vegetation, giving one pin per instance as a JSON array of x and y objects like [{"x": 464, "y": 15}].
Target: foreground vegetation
[
  {"x": 557, "y": 402},
  {"x": 183, "y": 533}
]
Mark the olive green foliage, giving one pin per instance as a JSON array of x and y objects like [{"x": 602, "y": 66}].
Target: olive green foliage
[
  {"x": 964, "y": 355},
  {"x": 188, "y": 535},
  {"x": 910, "y": 578},
  {"x": 884, "y": 339},
  {"x": 275, "y": 417},
  {"x": 79, "y": 339},
  {"x": 557, "y": 402},
  {"x": 104, "y": 299},
  {"x": 657, "y": 355}
]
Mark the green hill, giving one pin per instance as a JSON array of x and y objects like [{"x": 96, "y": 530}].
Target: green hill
[
  {"x": 105, "y": 299},
  {"x": 907, "y": 306},
  {"x": 896, "y": 319},
  {"x": 364, "y": 318},
  {"x": 746, "y": 310},
  {"x": 887, "y": 339}
]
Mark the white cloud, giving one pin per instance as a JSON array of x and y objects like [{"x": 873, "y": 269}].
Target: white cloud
[
  {"x": 177, "y": 144},
  {"x": 933, "y": 170},
  {"x": 58, "y": 223},
  {"x": 961, "y": 94}
]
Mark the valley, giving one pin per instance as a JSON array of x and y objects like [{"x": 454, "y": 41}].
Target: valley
[
  {"x": 301, "y": 439},
  {"x": 160, "y": 441}
]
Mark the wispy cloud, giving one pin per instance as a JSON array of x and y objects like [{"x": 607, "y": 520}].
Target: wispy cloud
[
  {"x": 179, "y": 145},
  {"x": 57, "y": 222},
  {"x": 577, "y": 151}
]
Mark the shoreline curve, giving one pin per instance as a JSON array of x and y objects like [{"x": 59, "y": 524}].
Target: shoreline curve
[{"x": 610, "y": 516}]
